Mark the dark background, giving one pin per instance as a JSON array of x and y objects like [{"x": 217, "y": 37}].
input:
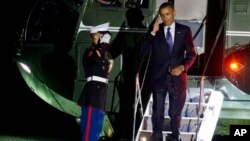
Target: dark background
[{"x": 22, "y": 113}]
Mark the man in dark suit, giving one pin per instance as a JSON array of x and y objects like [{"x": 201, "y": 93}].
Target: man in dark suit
[{"x": 173, "y": 53}]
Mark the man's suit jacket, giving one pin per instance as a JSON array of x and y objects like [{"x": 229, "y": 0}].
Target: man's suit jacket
[{"x": 183, "y": 53}]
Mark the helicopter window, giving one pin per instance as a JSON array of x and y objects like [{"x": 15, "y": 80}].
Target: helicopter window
[
  {"x": 50, "y": 19},
  {"x": 111, "y": 3},
  {"x": 137, "y": 3},
  {"x": 120, "y": 3},
  {"x": 144, "y": 4}
]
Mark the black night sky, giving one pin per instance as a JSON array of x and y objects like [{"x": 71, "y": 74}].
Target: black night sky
[{"x": 22, "y": 112}]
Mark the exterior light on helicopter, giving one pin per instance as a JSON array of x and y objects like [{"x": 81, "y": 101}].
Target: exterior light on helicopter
[
  {"x": 25, "y": 67},
  {"x": 143, "y": 138},
  {"x": 235, "y": 67}
]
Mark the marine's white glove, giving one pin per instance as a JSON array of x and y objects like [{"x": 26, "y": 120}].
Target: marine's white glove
[{"x": 105, "y": 38}]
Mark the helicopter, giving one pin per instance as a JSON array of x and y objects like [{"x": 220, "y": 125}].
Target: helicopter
[{"x": 50, "y": 47}]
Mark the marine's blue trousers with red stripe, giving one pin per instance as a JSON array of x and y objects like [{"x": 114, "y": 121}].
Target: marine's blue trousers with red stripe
[{"x": 91, "y": 123}]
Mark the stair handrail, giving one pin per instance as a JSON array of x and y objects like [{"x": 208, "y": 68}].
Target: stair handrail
[{"x": 201, "y": 95}]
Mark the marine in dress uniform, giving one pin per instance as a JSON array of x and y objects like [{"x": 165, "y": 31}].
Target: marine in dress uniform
[{"x": 96, "y": 63}]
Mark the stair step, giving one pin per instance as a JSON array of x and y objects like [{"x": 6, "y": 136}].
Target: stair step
[
  {"x": 189, "y": 109},
  {"x": 195, "y": 121},
  {"x": 185, "y": 136},
  {"x": 187, "y": 124}
]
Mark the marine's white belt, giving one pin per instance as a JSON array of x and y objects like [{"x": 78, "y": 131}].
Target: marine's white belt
[{"x": 97, "y": 78}]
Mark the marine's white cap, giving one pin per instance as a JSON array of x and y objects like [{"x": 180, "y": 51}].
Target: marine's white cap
[{"x": 98, "y": 28}]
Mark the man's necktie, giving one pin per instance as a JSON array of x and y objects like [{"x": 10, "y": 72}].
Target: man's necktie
[{"x": 169, "y": 40}]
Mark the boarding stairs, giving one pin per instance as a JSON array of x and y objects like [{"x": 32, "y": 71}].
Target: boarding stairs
[{"x": 199, "y": 116}]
